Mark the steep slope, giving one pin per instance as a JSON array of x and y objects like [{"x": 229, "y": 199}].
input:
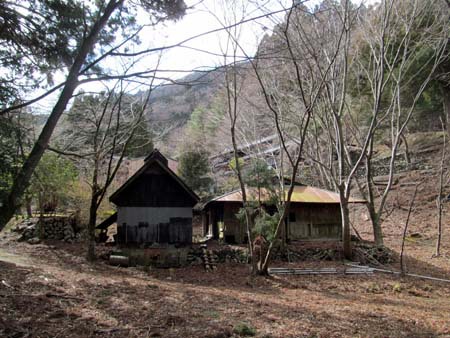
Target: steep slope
[{"x": 171, "y": 106}]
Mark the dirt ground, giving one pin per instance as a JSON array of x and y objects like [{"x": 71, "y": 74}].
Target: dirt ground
[{"x": 49, "y": 290}]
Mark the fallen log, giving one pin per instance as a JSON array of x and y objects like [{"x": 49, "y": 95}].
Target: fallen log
[{"x": 119, "y": 260}]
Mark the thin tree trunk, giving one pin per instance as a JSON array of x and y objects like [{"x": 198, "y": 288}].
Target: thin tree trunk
[
  {"x": 445, "y": 89},
  {"x": 346, "y": 234},
  {"x": 374, "y": 216},
  {"x": 28, "y": 206},
  {"x": 439, "y": 229},
  {"x": 411, "y": 204},
  {"x": 439, "y": 198},
  {"x": 21, "y": 181},
  {"x": 405, "y": 141},
  {"x": 91, "y": 227}
]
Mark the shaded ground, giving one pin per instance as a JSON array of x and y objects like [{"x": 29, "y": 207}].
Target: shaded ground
[{"x": 57, "y": 293}]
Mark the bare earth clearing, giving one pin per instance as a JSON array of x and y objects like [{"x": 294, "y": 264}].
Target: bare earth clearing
[{"x": 52, "y": 291}]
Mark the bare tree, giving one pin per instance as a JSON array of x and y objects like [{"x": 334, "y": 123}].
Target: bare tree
[
  {"x": 395, "y": 33},
  {"x": 101, "y": 128},
  {"x": 79, "y": 66},
  {"x": 291, "y": 107},
  {"x": 325, "y": 38}
]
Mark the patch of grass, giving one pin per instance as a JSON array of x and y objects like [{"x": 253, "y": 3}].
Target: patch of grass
[
  {"x": 373, "y": 288},
  {"x": 213, "y": 314},
  {"x": 105, "y": 293},
  {"x": 101, "y": 301},
  {"x": 397, "y": 287},
  {"x": 244, "y": 329},
  {"x": 411, "y": 239}
]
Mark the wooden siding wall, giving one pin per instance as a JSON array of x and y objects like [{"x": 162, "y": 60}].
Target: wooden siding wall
[
  {"x": 312, "y": 221},
  {"x": 315, "y": 221},
  {"x": 178, "y": 230},
  {"x": 151, "y": 215},
  {"x": 233, "y": 231},
  {"x": 143, "y": 225},
  {"x": 154, "y": 188}
]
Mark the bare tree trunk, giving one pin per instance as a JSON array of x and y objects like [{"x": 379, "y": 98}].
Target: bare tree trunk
[
  {"x": 405, "y": 142},
  {"x": 446, "y": 104},
  {"x": 402, "y": 265},
  {"x": 439, "y": 203},
  {"x": 374, "y": 216},
  {"x": 28, "y": 206},
  {"x": 21, "y": 181},
  {"x": 345, "y": 216},
  {"x": 91, "y": 226}
]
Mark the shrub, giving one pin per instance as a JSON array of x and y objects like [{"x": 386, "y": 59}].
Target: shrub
[{"x": 244, "y": 329}]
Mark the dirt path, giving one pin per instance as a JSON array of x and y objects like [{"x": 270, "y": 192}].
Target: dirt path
[{"x": 9, "y": 257}]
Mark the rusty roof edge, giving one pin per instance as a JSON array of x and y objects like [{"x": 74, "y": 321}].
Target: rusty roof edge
[{"x": 327, "y": 200}]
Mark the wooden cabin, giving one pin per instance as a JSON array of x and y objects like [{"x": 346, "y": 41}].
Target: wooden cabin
[
  {"x": 315, "y": 214},
  {"x": 154, "y": 206}
]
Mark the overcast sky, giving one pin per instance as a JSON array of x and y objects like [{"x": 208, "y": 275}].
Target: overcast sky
[{"x": 206, "y": 16}]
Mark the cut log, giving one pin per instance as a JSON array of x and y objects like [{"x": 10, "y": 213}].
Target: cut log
[{"x": 119, "y": 260}]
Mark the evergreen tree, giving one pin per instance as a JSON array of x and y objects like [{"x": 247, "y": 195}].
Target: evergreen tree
[{"x": 194, "y": 169}]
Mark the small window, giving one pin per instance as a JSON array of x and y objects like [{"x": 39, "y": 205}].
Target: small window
[{"x": 292, "y": 217}]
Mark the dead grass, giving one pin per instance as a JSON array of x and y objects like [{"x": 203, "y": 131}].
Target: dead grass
[{"x": 60, "y": 294}]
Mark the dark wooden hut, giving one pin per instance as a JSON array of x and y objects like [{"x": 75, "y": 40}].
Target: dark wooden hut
[
  {"x": 314, "y": 215},
  {"x": 154, "y": 205}
]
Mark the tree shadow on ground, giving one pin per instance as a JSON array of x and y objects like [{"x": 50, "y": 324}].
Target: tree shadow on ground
[{"x": 137, "y": 308}]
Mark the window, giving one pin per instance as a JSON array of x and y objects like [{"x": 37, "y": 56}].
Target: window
[{"x": 292, "y": 217}]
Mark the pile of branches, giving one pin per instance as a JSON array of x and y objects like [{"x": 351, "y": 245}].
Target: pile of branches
[
  {"x": 308, "y": 254},
  {"x": 228, "y": 254},
  {"x": 367, "y": 253}
]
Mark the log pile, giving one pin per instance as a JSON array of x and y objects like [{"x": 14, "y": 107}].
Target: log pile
[
  {"x": 209, "y": 259},
  {"x": 60, "y": 228},
  {"x": 194, "y": 256},
  {"x": 57, "y": 228},
  {"x": 222, "y": 255}
]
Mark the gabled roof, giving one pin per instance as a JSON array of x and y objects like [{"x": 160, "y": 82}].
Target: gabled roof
[
  {"x": 155, "y": 157},
  {"x": 301, "y": 194}
]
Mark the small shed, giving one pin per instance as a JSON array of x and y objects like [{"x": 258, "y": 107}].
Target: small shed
[
  {"x": 314, "y": 214},
  {"x": 154, "y": 205}
]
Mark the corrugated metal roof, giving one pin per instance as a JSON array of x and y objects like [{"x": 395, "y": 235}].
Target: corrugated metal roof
[{"x": 301, "y": 194}]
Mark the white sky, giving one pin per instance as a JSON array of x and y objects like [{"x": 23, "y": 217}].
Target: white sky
[{"x": 203, "y": 18}]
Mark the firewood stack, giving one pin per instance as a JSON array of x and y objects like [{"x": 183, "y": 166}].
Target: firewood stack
[
  {"x": 59, "y": 228},
  {"x": 209, "y": 259}
]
